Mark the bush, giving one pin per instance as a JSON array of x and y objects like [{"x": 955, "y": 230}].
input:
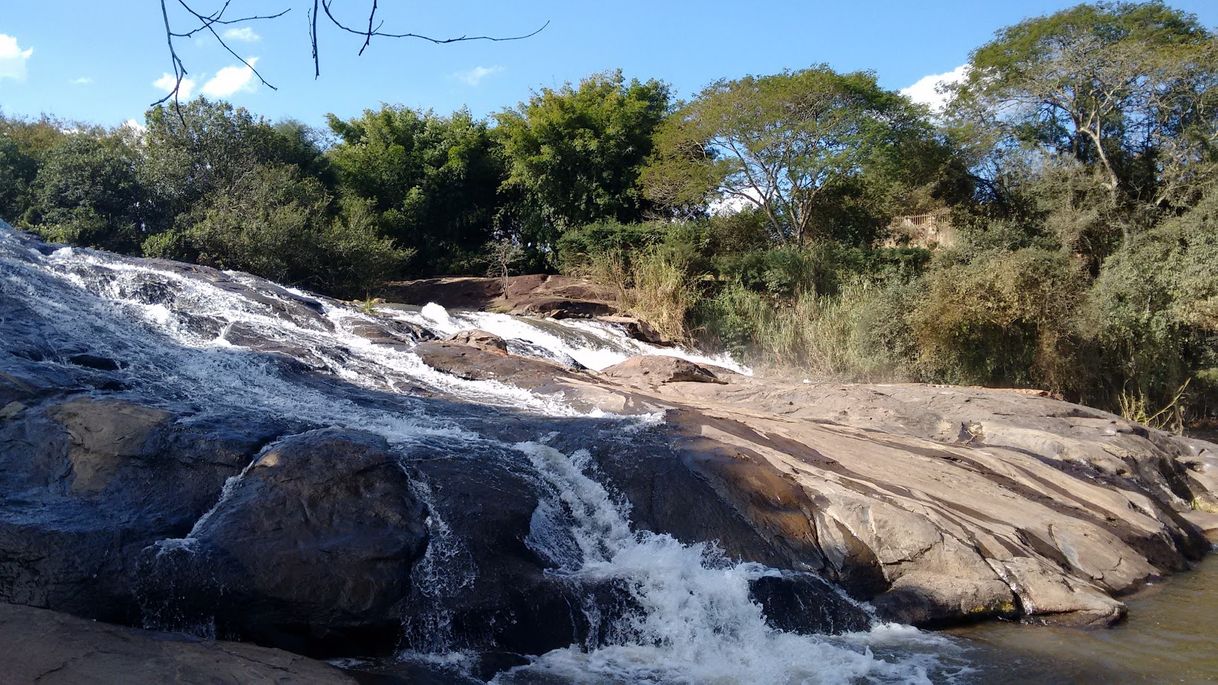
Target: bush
[
  {"x": 858, "y": 334},
  {"x": 276, "y": 224},
  {"x": 663, "y": 292},
  {"x": 579, "y": 248},
  {"x": 1153, "y": 311},
  {"x": 1005, "y": 318}
]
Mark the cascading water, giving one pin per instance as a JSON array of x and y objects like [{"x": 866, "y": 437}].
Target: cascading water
[{"x": 190, "y": 337}]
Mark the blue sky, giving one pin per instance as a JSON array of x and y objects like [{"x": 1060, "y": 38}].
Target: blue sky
[{"x": 98, "y": 60}]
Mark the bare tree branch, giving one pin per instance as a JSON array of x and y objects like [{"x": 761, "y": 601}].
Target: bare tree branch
[{"x": 208, "y": 21}]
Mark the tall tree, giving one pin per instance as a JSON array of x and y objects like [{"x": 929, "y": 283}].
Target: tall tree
[
  {"x": 1127, "y": 89},
  {"x": 87, "y": 192},
  {"x": 777, "y": 143},
  {"x": 575, "y": 153},
  {"x": 434, "y": 180}
]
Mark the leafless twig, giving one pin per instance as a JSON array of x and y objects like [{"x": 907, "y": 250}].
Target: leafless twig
[{"x": 208, "y": 22}]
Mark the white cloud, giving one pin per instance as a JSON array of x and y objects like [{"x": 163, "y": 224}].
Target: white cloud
[
  {"x": 927, "y": 90},
  {"x": 81, "y": 81},
  {"x": 473, "y": 77},
  {"x": 166, "y": 82},
  {"x": 231, "y": 80},
  {"x": 135, "y": 126},
  {"x": 13, "y": 58},
  {"x": 244, "y": 34}
]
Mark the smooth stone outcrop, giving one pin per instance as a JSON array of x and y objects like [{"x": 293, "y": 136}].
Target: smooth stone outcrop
[
  {"x": 657, "y": 369},
  {"x": 945, "y": 504},
  {"x": 310, "y": 549},
  {"x": 40, "y": 646},
  {"x": 87, "y": 483}
]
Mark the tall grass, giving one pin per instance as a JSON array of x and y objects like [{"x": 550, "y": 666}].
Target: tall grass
[{"x": 850, "y": 335}]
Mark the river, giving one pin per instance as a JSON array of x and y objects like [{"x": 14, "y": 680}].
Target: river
[{"x": 1171, "y": 636}]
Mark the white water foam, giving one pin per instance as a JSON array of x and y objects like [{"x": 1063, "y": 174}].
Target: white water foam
[
  {"x": 595, "y": 344},
  {"x": 698, "y": 623}
]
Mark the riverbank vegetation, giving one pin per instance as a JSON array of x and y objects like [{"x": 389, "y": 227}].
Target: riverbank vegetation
[{"x": 1055, "y": 226}]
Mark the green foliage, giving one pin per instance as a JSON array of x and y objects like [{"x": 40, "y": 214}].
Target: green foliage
[
  {"x": 1154, "y": 311},
  {"x": 785, "y": 143},
  {"x": 432, "y": 180},
  {"x": 276, "y": 224},
  {"x": 578, "y": 248},
  {"x": 1123, "y": 88},
  {"x": 574, "y": 153},
  {"x": 1005, "y": 318},
  {"x": 87, "y": 193}
]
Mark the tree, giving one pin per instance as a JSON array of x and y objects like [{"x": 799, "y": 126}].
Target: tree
[
  {"x": 433, "y": 180},
  {"x": 1124, "y": 88},
  {"x": 575, "y": 153},
  {"x": 278, "y": 224},
  {"x": 24, "y": 145},
  {"x": 777, "y": 143},
  {"x": 87, "y": 192}
]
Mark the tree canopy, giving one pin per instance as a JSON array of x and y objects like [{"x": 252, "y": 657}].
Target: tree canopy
[
  {"x": 777, "y": 143},
  {"x": 1126, "y": 89}
]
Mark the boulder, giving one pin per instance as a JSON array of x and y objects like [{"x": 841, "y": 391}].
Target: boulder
[
  {"x": 48, "y": 647},
  {"x": 89, "y": 482},
  {"x": 657, "y": 369},
  {"x": 638, "y": 329},
  {"x": 310, "y": 549}
]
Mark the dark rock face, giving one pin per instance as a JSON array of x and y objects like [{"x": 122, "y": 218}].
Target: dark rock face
[
  {"x": 485, "y": 361},
  {"x": 482, "y": 340},
  {"x": 798, "y": 603},
  {"x": 88, "y": 483},
  {"x": 310, "y": 549},
  {"x": 494, "y": 591},
  {"x": 53, "y": 648}
]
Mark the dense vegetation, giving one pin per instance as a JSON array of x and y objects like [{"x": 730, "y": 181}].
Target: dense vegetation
[{"x": 1076, "y": 162}]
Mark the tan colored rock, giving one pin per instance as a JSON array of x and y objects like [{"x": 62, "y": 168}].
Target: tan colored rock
[
  {"x": 39, "y": 646},
  {"x": 945, "y": 503},
  {"x": 656, "y": 369},
  {"x": 483, "y": 340}
]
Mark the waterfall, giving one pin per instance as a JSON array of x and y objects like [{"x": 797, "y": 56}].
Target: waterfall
[{"x": 183, "y": 337}]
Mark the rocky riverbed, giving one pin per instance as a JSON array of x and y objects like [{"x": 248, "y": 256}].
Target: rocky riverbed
[{"x": 511, "y": 497}]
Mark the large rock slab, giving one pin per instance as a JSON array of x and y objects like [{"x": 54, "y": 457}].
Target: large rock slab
[
  {"x": 40, "y": 646},
  {"x": 310, "y": 549},
  {"x": 945, "y": 504},
  {"x": 87, "y": 483}
]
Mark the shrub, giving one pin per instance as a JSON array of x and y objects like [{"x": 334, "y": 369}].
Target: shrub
[
  {"x": 859, "y": 334},
  {"x": 1005, "y": 318},
  {"x": 1153, "y": 311}
]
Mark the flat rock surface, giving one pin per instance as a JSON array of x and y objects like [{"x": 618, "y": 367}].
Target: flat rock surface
[
  {"x": 942, "y": 503},
  {"x": 39, "y": 646}
]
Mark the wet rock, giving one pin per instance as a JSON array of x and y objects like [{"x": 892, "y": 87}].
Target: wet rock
[
  {"x": 481, "y": 340},
  {"x": 310, "y": 549},
  {"x": 87, "y": 483},
  {"x": 656, "y": 369},
  {"x": 638, "y": 329},
  {"x": 392, "y": 333},
  {"x": 53, "y": 648},
  {"x": 534, "y": 294},
  {"x": 804, "y": 603},
  {"x": 479, "y": 364},
  {"x": 563, "y": 308},
  {"x": 493, "y": 591}
]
